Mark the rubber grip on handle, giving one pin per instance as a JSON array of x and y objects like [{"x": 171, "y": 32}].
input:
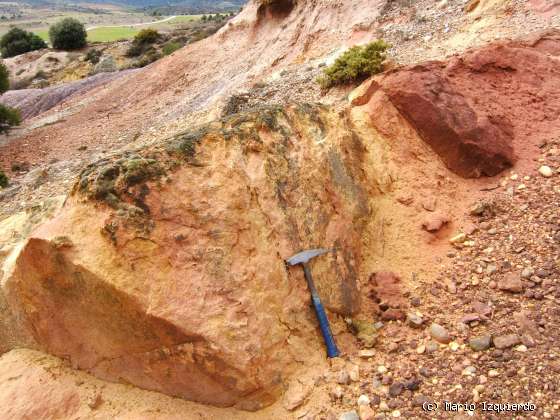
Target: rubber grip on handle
[{"x": 332, "y": 350}]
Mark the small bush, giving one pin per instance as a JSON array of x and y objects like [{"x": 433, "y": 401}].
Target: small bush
[
  {"x": 3, "y": 180},
  {"x": 148, "y": 58},
  {"x": 170, "y": 48},
  {"x": 356, "y": 64},
  {"x": 142, "y": 42},
  {"x": 9, "y": 117},
  {"x": 93, "y": 56},
  {"x": 4, "y": 78},
  {"x": 135, "y": 50},
  {"x": 68, "y": 34},
  {"x": 146, "y": 36},
  {"x": 17, "y": 41}
]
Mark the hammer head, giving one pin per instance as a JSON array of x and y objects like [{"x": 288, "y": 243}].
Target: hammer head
[{"x": 304, "y": 256}]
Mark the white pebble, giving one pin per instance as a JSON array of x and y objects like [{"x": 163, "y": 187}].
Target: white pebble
[
  {"x": 545, "y": 171},
  {"x": 363, "y": 400},
  {"x": 367, "y": 353}
]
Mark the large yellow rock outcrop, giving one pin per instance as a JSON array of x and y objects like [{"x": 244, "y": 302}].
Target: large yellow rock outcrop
[{"x": 165, "y": 268}]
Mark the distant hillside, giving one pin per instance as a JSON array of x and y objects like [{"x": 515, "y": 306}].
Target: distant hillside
[
  {"x": 186, "y": 6},
  {"x": 194, "y": 4}
]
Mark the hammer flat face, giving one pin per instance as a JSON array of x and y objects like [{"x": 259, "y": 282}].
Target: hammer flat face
[{"x": 305, "y": 256}]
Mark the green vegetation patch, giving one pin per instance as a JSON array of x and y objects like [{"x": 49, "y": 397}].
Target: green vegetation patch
[
  {"x": 356, "y": 64},
  {"x": 93, "y": 56},
  {"x": 147, "y": 36},
  {"x": 171, "y": 47},
  {"x": 185, "y": 143},
  {"x": 142, "y": 45},
  {"x": 43, "y": 34},
  {"x": 185, "y": 19},
  {"x": 9, "y": 117},
  {"x": 112, "y": 34},
  {"x": 3, "y": 180},
  {"x": 17, "y": 41},
  {"x": 111, "y": 182},
  {"x": 68, "y": 34}
]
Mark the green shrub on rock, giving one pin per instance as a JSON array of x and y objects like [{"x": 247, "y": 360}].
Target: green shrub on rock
[
  {"x": 356, "y": 64},
  {"x": 17, "y": 41},
  {"x": 68, "y": 34}
]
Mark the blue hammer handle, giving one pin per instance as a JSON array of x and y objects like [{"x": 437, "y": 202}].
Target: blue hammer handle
[{"x": 332, "y": 350}]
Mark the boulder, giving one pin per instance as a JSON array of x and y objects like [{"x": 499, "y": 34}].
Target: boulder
[
  {"x": 107, "y": 64},
  {"x": 470, "y": 108},
  {"x": 470, "y": 142},
  {"x": 165, "y": 267}
]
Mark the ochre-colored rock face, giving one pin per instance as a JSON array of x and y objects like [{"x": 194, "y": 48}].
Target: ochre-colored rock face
[
  {"x": 165, "y": 267},
  {"x": 476, "y": 111}
]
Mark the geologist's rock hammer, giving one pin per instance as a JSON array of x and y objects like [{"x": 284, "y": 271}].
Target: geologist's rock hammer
[{"x": 303, "y": 258}]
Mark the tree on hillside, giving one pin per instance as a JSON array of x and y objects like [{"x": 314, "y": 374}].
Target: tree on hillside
[
  {"x": 9, "y": 117},
  {"x": 68, "y": 34},
  {"x": 17, "y": 41}
]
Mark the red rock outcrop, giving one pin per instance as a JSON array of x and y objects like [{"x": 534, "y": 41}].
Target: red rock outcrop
[
  {"x": 477, "y": 110},
  {"x": 165, "y": 267}
]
